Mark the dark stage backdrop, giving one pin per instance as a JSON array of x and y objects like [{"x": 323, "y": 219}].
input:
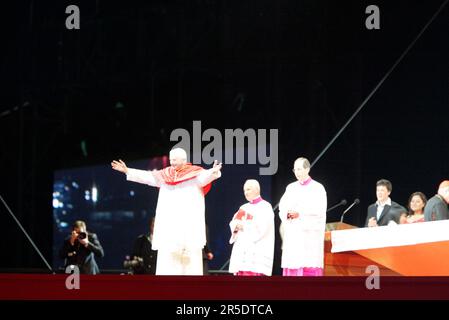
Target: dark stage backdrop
[{"x": 134, "y": 72}]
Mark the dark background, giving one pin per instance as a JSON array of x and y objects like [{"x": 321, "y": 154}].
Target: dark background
[{"x": 138, "y": 69}]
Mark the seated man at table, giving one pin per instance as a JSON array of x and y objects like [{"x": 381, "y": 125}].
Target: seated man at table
[{"x": 384, "y": 211}]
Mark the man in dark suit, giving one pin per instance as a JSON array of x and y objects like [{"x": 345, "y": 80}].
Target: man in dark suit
[
  {"x": 80, "y": 249},
  {"x": 384, "y": 211}
]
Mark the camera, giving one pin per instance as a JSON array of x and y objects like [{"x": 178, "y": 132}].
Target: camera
[
  {"x": 82, "y": 235},
  {"x": 135, "y": 263}
]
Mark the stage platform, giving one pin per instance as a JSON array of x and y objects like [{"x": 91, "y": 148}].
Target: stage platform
[{"x": 133, "y": 287}]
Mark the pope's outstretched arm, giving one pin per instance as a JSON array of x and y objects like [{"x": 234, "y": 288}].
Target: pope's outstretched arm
[
  {"x": 140, "y": 176},
  {"x": 119, "y": 166},
  {"x": 207, "y": 176}
]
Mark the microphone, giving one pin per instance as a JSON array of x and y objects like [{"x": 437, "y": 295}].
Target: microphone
[
  {"x": 341, "y": 203},
  {"x": 356, "y": 201}
]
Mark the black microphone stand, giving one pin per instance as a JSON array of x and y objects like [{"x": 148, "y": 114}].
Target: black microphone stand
[
  {"x": 356, "y": 202},
  {"x": 341, "y": 203}
]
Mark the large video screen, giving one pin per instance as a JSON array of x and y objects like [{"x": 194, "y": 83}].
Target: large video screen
[{"x": 118, "y": 211}]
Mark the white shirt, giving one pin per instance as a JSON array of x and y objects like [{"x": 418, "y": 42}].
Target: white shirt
[{"x": 380, "y": 207}]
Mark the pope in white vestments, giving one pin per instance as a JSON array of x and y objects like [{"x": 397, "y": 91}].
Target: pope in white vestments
[
  {"x": 252, "y": 235},
  {"x": 302, "y": 210},
  {"x": 179, "y": 228}
]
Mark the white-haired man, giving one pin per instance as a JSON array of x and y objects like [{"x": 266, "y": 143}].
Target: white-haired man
[
  {"x": 252, "y": 229},
  {"x": 302, "y": 210},
  {"x": 179, "y": 227}
]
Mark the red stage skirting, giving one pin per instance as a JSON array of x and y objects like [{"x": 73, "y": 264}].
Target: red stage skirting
[{"x": 124, "y": 287}]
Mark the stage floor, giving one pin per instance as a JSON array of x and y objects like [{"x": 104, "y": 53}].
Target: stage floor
[{"x": 134, "y": 287}]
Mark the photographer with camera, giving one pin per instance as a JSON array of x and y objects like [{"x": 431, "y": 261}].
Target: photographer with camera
[
  {"x": 143, "y": 258},
  {"x": 80, "y": 249}
]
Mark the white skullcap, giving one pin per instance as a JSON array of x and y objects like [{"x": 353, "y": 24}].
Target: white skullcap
[
  {"x": 253, "y": 182},
  {"x": 178, "y": 153}
]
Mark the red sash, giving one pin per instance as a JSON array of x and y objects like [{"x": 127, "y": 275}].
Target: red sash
[{"x": 172, "y": 176}]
